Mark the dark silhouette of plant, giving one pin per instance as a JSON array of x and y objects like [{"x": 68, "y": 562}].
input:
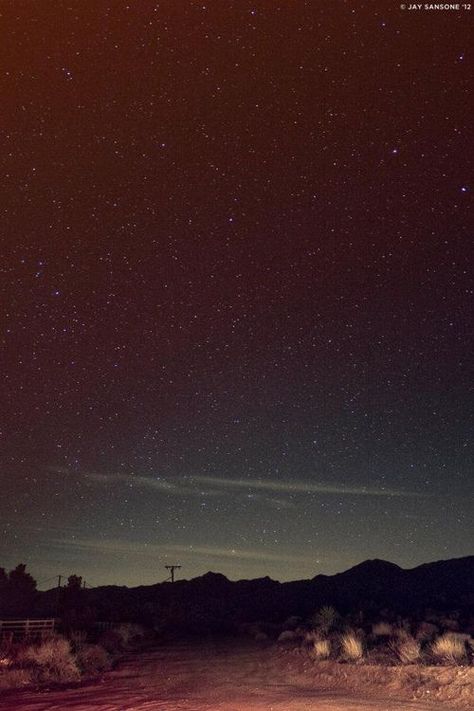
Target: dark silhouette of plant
[
  {"x": 325, "y": 619},
  {"x": 17, "y": 592}
]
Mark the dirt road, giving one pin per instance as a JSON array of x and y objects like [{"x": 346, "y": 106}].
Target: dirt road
[{"x": 205, "y": 678}]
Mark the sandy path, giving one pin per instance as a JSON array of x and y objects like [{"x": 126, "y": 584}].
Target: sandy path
[{"x": 205, "y": 678}]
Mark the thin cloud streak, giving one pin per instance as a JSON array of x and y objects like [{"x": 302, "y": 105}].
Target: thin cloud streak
[
  {"x": 162, "y": 550},
  {"x": 219, "y": 486},
  {"x": 302, "y": 487}
]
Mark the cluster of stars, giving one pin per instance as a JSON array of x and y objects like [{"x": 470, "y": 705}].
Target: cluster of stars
[{"x": 235, "y": 248}]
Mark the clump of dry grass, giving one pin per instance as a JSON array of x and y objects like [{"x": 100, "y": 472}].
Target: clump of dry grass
[
  {"x": 406, "y": 648},
  {"x": 450, "y": 648},
  {"x": 321, "y": 649},
  {"x": 351, "y": 647}
]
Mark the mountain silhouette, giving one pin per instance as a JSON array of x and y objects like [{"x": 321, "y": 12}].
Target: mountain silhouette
[{"x": 212, "y": 601}]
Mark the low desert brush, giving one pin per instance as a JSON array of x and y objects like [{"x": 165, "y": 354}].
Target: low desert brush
[
  {"x": 406, "y": 648},
  {"x": 129, "y": 632},
  {"x": 93, "y": 659},
  {"x": 351, "y": 647},
  {"x": 381, "y": 629},
  {"x": 15, "y": 678},
  {"x": 450, "y": 648},
  {"x": 78, "y": 639},
  {"x": 51, "y": 660}
]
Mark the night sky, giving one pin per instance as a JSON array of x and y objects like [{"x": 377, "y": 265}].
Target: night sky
[{"x": 235, "y": 287}]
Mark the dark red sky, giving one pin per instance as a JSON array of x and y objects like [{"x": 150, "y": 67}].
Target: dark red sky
[{"x": 236, "y": 287}]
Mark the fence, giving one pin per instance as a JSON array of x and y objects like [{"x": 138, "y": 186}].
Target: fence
[{"x": 26, "y": 628}]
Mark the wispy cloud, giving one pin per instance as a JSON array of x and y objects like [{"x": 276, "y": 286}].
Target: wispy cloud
[
  {"x": 302, "y": 487},
  {"x": 134, "y": 480},
  {"x": 154, "y": 550},
  {"x": 261, "y": 490}
]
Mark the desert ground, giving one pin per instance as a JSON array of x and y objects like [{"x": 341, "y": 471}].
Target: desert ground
[{"x": 241, "y": 677}]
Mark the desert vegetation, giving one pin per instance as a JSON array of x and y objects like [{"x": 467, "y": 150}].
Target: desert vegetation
[
  {"x": 59, "y": 659},
  {"x": 328, "y": 635},
  {"x": 339, "y": 636}
]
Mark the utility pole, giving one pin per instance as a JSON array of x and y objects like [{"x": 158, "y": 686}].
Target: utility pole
[
  {"x": 58, "y": 597},
  {"x": 172, "y": 568}
]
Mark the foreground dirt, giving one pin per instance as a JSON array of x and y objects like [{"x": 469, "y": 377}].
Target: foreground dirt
[{"x": 226, "y": 677}]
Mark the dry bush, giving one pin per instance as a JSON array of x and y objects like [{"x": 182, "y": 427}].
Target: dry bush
[
  {"x": 292, "y": 622},
  {"x": 311, "y": 636},
  {"x": 381, "y": 629},
  {"x": 351, "y": 647},
  {"x": 450, "y": 648},
  {"x": 406, "y": 648},
  {"x": 449, "y": 623},
  {"x": 15, "y": 678},
  {"x": 287, "y": 636},
  {"x": 321, "y": 649},
  {"x": 51, "y": 660},
  {"x": 426, "y": 631},
  {"x": 111, "y": 641},
  {"x": 78, "y": 639},
  {"x": 129, "y": 632},
  {"x": 93, "y": 659}
]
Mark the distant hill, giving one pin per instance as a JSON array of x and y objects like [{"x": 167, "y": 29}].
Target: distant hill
[{"x": 211, "y": 601}]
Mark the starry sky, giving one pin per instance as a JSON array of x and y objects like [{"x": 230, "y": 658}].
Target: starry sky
[{"x": 235, "y": 287}]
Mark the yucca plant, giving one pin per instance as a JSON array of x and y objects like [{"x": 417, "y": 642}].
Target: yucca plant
[{"x": 325, "y": 618}]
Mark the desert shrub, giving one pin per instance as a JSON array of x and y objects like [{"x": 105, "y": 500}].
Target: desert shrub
[
  {"x": 287, "y": 636},
  {"x": 449, "y": 623},
  {"x": 78, "y": 639},
  {"x": 406, "y": 648},
  {"x": 292, "y": 622},
  {"x": 321, "y": 649},
  {"x": 325, "y": 618},
  {"x": 15, "y": 678},
  {"x": 129, "y": 632},
  {"x": 450, "y": 648},
  {"x": 111, "y": 641},
  {"x": 351, "y": 647},
  {"x": 426, "y": 631},
  {"x": 93, "y": 659},
  {"x": 5, "y": 657},
  {"x": 51, "y": 660},
  {"x": 381, "y": 629},
  {"x": 311, "y": 636}
]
